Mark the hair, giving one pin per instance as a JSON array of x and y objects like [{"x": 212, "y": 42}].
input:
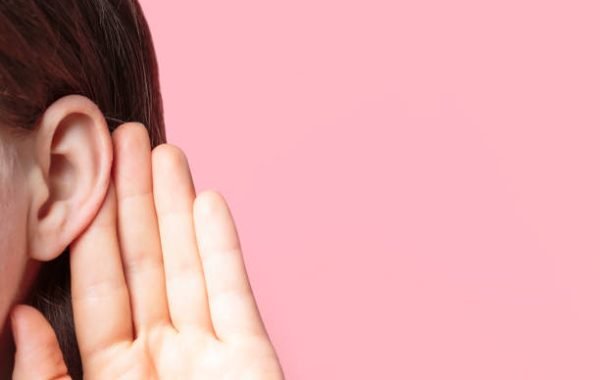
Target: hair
[{"x": 101, "y": 49}]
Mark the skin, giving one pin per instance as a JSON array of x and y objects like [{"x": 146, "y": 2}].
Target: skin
[
  {"x": 53, "y": 183},
  {"x": 159, "y": 285},
  {"x": 13, "y": 233}
]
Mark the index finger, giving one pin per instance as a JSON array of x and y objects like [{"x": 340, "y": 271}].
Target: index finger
[{"x": 99, "y": 291}]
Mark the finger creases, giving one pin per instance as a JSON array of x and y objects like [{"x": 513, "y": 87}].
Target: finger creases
[
  {"x": 137, "y": 226},
  {"x": 99, "y": 291},
  {"x": 174, "y": 195},
  {"x": 232, "y": 305}
]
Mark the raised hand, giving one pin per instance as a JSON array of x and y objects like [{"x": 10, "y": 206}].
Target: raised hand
[{"x": 159, "y": 285}]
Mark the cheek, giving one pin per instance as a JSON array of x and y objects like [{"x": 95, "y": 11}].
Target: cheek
[{"x": 13, "y": 248}]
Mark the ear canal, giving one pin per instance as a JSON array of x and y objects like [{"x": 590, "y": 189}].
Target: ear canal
[{"x": 61, "y": 174}]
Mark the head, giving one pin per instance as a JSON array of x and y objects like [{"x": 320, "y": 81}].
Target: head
[{"x": 70, "y": 72}]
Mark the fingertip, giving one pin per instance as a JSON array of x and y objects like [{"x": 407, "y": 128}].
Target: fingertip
[
  {"x": 130, "y": 127},
  {"x": 30, "y": 330},
  {"x": 19, "y": 318},
  {"x": 209, "y": 202},
  {"x": 15, "y": 317},
  {"x": 23, "y": 319},
  {"x": 169, "y": 163},
  {"x": 173, "y": 185},
  {"x": 169, "y": 156},
  {"x": 130, "y": 135},
  {"x": 38, "y": 354},
  {"x": 132, "y": 170}
]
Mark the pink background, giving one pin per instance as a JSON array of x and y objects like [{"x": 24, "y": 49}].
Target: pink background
[{"x": 415, "y": 183}]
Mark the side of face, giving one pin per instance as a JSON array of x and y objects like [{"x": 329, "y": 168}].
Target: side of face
[
  {"x": 53, "y": 181},
  {"x": 13, "y": 227}
]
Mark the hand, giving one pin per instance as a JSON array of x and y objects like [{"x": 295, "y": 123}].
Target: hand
[{"x": 162, "y": 293}]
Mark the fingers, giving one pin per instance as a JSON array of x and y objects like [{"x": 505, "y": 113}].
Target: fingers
[
  {"x": 232, "y": 305},
  {"x": 174, "y": 197},
  {"x": 138, "y": 227},
  {"x": 182, "y": 260},
  {"x": 38, "y": 354},
  {"x": 99, "y": 291}
]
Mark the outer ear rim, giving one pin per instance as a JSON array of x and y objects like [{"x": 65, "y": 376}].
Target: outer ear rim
[{"x": 68, "y": 105}]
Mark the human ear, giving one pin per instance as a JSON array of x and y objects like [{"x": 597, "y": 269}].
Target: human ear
[{"x": 69, "y": 175}]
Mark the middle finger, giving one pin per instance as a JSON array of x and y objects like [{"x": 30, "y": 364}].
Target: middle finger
[{"x": 138, "y": 228}]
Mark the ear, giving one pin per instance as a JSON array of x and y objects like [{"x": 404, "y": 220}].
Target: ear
[{"x": 69, "y": 176}]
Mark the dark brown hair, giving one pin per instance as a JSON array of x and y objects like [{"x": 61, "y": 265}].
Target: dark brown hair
[{"x": 101, "y": 49}]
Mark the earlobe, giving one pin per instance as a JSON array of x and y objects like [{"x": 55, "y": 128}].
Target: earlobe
[{"x": 69, "y": 175}]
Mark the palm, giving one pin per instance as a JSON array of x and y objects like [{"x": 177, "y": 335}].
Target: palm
[
  {"x": 158, "y": 282},
  {"x": 191, "y": 355}
]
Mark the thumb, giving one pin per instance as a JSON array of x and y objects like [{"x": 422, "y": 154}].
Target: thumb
[{"x": 38, "y": 354}]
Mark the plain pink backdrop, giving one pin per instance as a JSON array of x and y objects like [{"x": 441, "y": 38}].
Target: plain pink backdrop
[{"x": 416, "y": 183}]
